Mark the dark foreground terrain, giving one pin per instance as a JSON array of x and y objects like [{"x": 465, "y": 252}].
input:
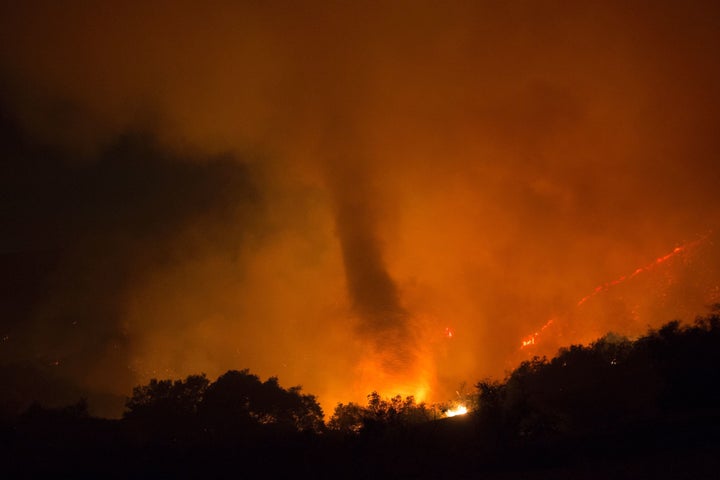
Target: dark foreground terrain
[
  {"x": 649, "y": 408},
  {"x": 684, "y": 447}
]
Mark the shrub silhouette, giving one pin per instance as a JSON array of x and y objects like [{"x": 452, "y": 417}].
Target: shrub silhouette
[{"x": 396, "y": 413}]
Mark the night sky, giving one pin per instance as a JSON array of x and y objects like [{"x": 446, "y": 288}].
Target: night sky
[{"x": 352, "y": 196}]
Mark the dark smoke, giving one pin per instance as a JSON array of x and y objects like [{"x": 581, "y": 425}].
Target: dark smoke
[{"x": 80, "y": 233}]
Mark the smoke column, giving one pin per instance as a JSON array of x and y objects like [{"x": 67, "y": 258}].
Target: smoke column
[{"x": 383, "y": 323}]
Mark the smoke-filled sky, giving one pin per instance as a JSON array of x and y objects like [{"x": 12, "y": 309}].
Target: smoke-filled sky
[{"x": 348, "y": 195}]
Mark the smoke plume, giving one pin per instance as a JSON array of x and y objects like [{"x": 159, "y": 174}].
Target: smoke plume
[{"x": 322, "y": 191}]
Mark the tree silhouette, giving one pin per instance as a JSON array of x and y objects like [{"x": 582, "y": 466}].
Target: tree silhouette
[
  {"x": 165, "y": 411},
  {"x": 237, "y": 404},
  {"x": 239, "y": 400},
  {"x": 609, "y": 385},
  {"x": 167, "y": 399},
  {"x": 347, "y": 419},
  {"x": 226, "y": 403},
  {"x": 685, "y": 358}
]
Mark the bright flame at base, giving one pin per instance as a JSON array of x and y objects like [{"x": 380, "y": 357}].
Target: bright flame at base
[
  {"x": 375, "y": 376},
  {"x": 459, "y": 410}
]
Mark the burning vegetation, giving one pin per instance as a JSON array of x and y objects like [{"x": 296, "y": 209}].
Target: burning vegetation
[{"x": 685, "y": 249}]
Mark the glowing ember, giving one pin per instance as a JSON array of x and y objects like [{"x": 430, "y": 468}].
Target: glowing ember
[
  {"x": 459, "y": 410},
  {"x": 638, "y": 271},
  {"x": 531, "y": 339}
]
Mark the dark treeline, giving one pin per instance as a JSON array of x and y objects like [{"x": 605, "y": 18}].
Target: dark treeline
[{"x": 614, "y": 409}]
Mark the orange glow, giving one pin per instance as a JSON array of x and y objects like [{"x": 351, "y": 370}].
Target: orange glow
[{"x": 374, "y": 375}]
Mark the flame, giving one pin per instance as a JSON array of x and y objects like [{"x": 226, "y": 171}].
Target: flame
[
  {"x": 459, "y": 410},
  {"x": 605, "y": 286},
  {"x": 414, "y": 380},
  {"x": 531, "y": 339}
]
